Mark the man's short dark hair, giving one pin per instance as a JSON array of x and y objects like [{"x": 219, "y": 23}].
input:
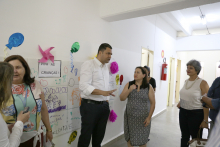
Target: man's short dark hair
[{"x": 103, "y": 47}]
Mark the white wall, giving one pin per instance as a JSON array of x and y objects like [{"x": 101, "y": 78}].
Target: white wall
[
  {"x": 204, "y": 48},
  {"x": 210, "y": 58},
  {"x": 164, "y": 40},
  {"x": 61, "y": 23},
  {"x": 203, "y": 42}
]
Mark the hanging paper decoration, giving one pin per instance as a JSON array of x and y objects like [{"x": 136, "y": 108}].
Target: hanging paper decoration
[
  {"x": 15, "y": 40},
  {"x": 117, "y": 83},
  {"x": 117, "y": 79},
  {"x": 113, "y": 116},
  {"x": 71, "y": 59},
  {"x": 75, "y": 48},
  {"x": 94, "y": 56},
  {"x": 121, "y": 79},
  {"x": 72, "y": 137},
  {"x": 46, "y": 55},
  {"x": 114, "y": 67}
]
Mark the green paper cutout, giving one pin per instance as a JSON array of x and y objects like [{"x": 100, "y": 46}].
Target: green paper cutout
[{"x": 75, "y": 47}]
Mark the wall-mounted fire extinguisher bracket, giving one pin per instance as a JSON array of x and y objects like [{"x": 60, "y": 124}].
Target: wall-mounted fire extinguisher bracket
[{"x": 164, "y": 70}]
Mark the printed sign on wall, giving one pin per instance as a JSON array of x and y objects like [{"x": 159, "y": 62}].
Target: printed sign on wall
[{"x": 50, "y": 69}]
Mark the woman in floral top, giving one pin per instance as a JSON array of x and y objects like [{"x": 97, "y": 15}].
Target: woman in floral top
[{"x": 27, "y": 92}]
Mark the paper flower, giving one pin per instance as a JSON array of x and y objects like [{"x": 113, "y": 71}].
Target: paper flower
[
  {"x": 113, "y": 116},
  {"x": 114, "y": 67}
]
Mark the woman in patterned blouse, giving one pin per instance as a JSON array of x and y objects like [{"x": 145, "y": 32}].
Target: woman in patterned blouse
[{"x": 27, "y": 92}]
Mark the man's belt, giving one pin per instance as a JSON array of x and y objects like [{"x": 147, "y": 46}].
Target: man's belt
[{"x": 93, "y": 102}]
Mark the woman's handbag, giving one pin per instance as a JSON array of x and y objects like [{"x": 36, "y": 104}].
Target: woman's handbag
[{"x": 198, "y": 142}]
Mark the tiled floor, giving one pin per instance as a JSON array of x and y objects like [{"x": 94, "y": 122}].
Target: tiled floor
[{"x": 165, "y": 131}]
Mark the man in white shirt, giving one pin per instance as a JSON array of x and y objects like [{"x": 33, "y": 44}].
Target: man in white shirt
[{"x": 94, "y": 109}]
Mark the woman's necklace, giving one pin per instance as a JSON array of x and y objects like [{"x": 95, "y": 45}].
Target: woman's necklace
[{"x": 191, "y": 84}]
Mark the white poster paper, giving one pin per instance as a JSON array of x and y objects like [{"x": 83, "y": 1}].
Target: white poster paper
[{"x": 50, "y": 69}]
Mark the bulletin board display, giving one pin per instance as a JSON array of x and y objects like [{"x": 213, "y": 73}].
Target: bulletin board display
[{"x": 62, "y": 94}]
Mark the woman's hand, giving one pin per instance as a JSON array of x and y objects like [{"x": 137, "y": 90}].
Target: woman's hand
[
  {"x": 10, "y": 126},
  {"x": 23, "y": 117},
  {"x": 147, "y": 121},
  {"x": 132, "y": 87},
  {"x": 204, "y": 124},
  {"x": 49, "y": 136},
  {"x": 178, "y": 105}
]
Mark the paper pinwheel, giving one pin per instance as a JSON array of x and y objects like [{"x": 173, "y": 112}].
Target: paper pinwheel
[{"x": 46, "y": 55}]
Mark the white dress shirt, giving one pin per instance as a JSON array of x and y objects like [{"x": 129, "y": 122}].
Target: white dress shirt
[
  {"x": 94, "y": 75},
  {"x": 14, "y": 139}
]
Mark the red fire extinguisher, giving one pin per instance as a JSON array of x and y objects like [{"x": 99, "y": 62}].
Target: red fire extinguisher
[{"x": 164, "y": 70}]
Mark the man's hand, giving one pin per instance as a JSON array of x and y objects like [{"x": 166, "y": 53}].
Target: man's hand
[
  {"x": 108, "y": 93},
  {"x": 204, "y": 95},
  {"x": 208, "y": 102}
]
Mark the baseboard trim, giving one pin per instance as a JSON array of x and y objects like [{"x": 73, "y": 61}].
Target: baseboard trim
[
  {"x": 113, "y": 140},
  {"x": 121, "y": 135},
  {"x": 159, "y": 113}
]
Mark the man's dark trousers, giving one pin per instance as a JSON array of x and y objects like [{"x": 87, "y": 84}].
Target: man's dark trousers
[{"x": 94, "y": 120}]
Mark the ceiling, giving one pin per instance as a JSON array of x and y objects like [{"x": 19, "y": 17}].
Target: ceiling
[{"x": 191, "y": 16}]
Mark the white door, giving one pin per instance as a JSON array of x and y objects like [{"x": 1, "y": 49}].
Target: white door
[{"x": 144, "y": 57}]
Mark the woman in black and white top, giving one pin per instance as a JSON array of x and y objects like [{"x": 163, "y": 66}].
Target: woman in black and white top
[
  {"x": 150, "y": 80},
  {"x": 7, "y": 139},
  {"x": 192, "y": 115}
]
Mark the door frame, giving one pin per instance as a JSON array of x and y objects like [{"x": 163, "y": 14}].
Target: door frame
[
  {"x": 148, "y": 60},
  {"x": 171, "y": 79},
  {"x": 178, "y": 75}
]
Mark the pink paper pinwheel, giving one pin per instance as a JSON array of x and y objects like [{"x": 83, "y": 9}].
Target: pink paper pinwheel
[{"x": 46, "y": 55}]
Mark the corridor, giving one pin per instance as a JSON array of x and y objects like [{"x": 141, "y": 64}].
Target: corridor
[{"x": 165, "y": 131}]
